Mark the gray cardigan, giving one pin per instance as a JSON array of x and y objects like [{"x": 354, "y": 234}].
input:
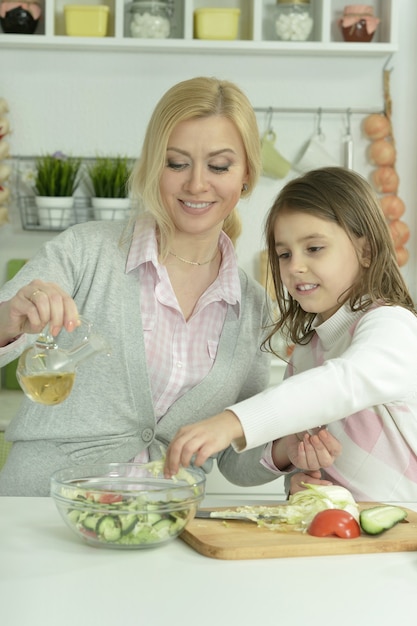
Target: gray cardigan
[{"x": 109, "y": 415}]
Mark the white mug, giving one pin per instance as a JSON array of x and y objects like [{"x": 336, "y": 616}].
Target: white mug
[{"x": 313, "y": 155}]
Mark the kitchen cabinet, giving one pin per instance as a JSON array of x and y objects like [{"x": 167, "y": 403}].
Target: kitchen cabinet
[{"x": 256, "y": 30}]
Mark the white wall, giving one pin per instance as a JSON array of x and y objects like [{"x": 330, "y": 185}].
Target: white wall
[{"x": 85, "y": 102}]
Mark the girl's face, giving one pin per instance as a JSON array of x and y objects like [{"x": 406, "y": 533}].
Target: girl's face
[
  {"x": 317, "y": 261},
  {"x": 205, "y": 170}
]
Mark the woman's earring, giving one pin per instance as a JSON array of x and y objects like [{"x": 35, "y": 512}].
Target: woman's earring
[{"x": 244, "y": 187}]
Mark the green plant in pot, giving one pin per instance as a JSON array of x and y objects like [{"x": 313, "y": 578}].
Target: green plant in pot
[
  {"x": 56, "y": 180},
  {"x": 57, "y": 175},
  {"x": 109, "y": 186}
]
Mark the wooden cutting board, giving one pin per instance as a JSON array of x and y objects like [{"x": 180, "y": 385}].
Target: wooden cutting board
[{"x": 245, "y": 540}]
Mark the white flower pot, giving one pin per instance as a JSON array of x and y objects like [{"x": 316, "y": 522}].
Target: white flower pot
[
  {"x": 55, "y": 211},
  {"x": 110, "y": 208}
]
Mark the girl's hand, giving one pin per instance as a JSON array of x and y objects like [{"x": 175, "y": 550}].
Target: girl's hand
[
  {"x": 311, "y": 451},
  {"x": 306, "y": 451},
  {"x": 297, "y": 480},
  {"x": 33, "y": 307},
  {"x": 201, "y": 439}
]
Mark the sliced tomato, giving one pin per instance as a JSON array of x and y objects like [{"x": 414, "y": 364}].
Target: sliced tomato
[
  {"x": 104, "y": 498},
  {"x": 110, "y": 498},
  {"x": 334, "y": 522}
]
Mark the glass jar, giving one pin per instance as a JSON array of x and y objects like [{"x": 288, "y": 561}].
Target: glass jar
[
  {"x": 293, "y": 21},
  {"x": 151, "y": 20},
  {"x": 358, "y": 23}
]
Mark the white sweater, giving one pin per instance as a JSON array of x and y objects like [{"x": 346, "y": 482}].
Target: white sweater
[{"x": 358, "y": 375}]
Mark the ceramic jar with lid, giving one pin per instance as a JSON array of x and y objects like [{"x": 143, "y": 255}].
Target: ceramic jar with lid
[
  {"x": 358, "y": 23},
  {"x": 20, "y": 17},
  {"x": 150, "y": 20},
  {"x": 293, "y": 20}
]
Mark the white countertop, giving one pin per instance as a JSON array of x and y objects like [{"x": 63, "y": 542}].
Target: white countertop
[{"x": 48, "y": 577}]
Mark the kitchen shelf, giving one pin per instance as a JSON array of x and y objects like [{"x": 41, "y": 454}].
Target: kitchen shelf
[{"x": 256, "y": 31}]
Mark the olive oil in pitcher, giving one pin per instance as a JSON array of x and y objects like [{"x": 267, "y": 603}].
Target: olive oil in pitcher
[{"x": 46, "y": 372}]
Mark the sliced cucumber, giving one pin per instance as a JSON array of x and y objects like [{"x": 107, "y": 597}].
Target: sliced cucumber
[
  {"x": 109, "y": 528},
  {"x": 131, "y": 521},
  {"x": 90, "y": 521},
  {"x": 74, "y": 516},
  {"x": 375, "y": 520},
  {"x": 152, "y": 518},
  {"x": 128, "y": 523}
]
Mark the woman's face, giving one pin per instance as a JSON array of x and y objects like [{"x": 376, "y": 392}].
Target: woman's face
[{"x": 205, "y": 170}]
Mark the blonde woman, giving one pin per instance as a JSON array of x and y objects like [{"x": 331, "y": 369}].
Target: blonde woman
[{"x": 185, "y": 325}]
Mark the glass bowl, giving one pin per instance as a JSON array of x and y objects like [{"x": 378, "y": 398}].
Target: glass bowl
[{"x": 127, "y": 505}]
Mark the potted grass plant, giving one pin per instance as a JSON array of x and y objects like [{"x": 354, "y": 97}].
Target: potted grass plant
[
  {"x": 108, "y": 177},
  {"x": 56, "y": 179}
]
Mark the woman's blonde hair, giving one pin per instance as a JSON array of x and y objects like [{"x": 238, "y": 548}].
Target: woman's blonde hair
[
  {"x": 194, "y": 98},
  {"x": 342, "y": 196}
]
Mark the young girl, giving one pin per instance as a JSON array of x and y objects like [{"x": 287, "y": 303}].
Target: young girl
[{"x": 346, "y": 307}]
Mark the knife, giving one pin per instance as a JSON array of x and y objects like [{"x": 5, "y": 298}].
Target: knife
[{"x": 233, "y": 515}]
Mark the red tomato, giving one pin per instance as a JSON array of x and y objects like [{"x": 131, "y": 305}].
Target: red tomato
[
  {"x": 103, "y": 498},
  {"x": 334, "y": 522},
  {"x": 109, "y": 498}
]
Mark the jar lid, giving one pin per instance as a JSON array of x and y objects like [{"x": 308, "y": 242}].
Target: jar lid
[
  {"x": 155, "y": 2},
  {"x": 150, "y": 3},
  {"x": 353, "y": 13},
  {"x": 32, "y": 6},
  {"x": 21, "y": 3},
  {"x": 358, "y": 9}
]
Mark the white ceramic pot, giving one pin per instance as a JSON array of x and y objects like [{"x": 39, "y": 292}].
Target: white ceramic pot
[
  {"x": 55, "y": 211},
  {"x": 110, "y": 208}
]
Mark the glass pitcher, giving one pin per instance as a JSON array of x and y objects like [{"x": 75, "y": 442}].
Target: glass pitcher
[{"x": 46, "y": 371}]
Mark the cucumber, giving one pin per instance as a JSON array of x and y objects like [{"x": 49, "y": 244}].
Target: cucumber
[
  {"x": 131, "y": 521},
  {"x": 109, "y": 528},
  {"x": 377, "y": 519},
  {"x": 90, "y": 521},
  {"x": 74, "y": 516},
  {"x": 152, "y": 518},
  {"x": 163, "y": 528},
  {"x": 128, "y": 523}
]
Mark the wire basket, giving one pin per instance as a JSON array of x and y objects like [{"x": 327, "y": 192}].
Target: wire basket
[{"x": 53, "y": 218}]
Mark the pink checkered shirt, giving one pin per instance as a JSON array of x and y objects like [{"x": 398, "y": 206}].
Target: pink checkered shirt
[{"x": 179, "y": 352}]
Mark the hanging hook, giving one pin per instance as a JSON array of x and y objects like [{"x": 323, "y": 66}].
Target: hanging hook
[
  {"x": 348, "y": 142},
  {"x": 269, "y": 113},
  {"x": 348, "y": 121},
  {"x": 319, "y": 129},
  {"x": 385, "y": 68},
  {"x": 269, "y": 133}
]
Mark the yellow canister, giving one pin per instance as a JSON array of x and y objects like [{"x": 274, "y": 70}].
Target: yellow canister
[
  {"x": 211, "y": 23},
  {"x": 86, "y": 21}
]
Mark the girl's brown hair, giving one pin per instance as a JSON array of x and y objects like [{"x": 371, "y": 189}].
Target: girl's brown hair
[
  {"x": 192, "y": 99},
  {"x": 342, "y": 196}
]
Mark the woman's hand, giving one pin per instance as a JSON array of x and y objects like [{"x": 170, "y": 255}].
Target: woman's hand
[
  {"x": 33, "y": 307},
  {"x": 201, "y": 439},
  {"x": 297, "y": 480}
]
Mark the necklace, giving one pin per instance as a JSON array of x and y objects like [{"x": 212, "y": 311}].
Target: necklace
[{"x": 193, "y": 262}]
